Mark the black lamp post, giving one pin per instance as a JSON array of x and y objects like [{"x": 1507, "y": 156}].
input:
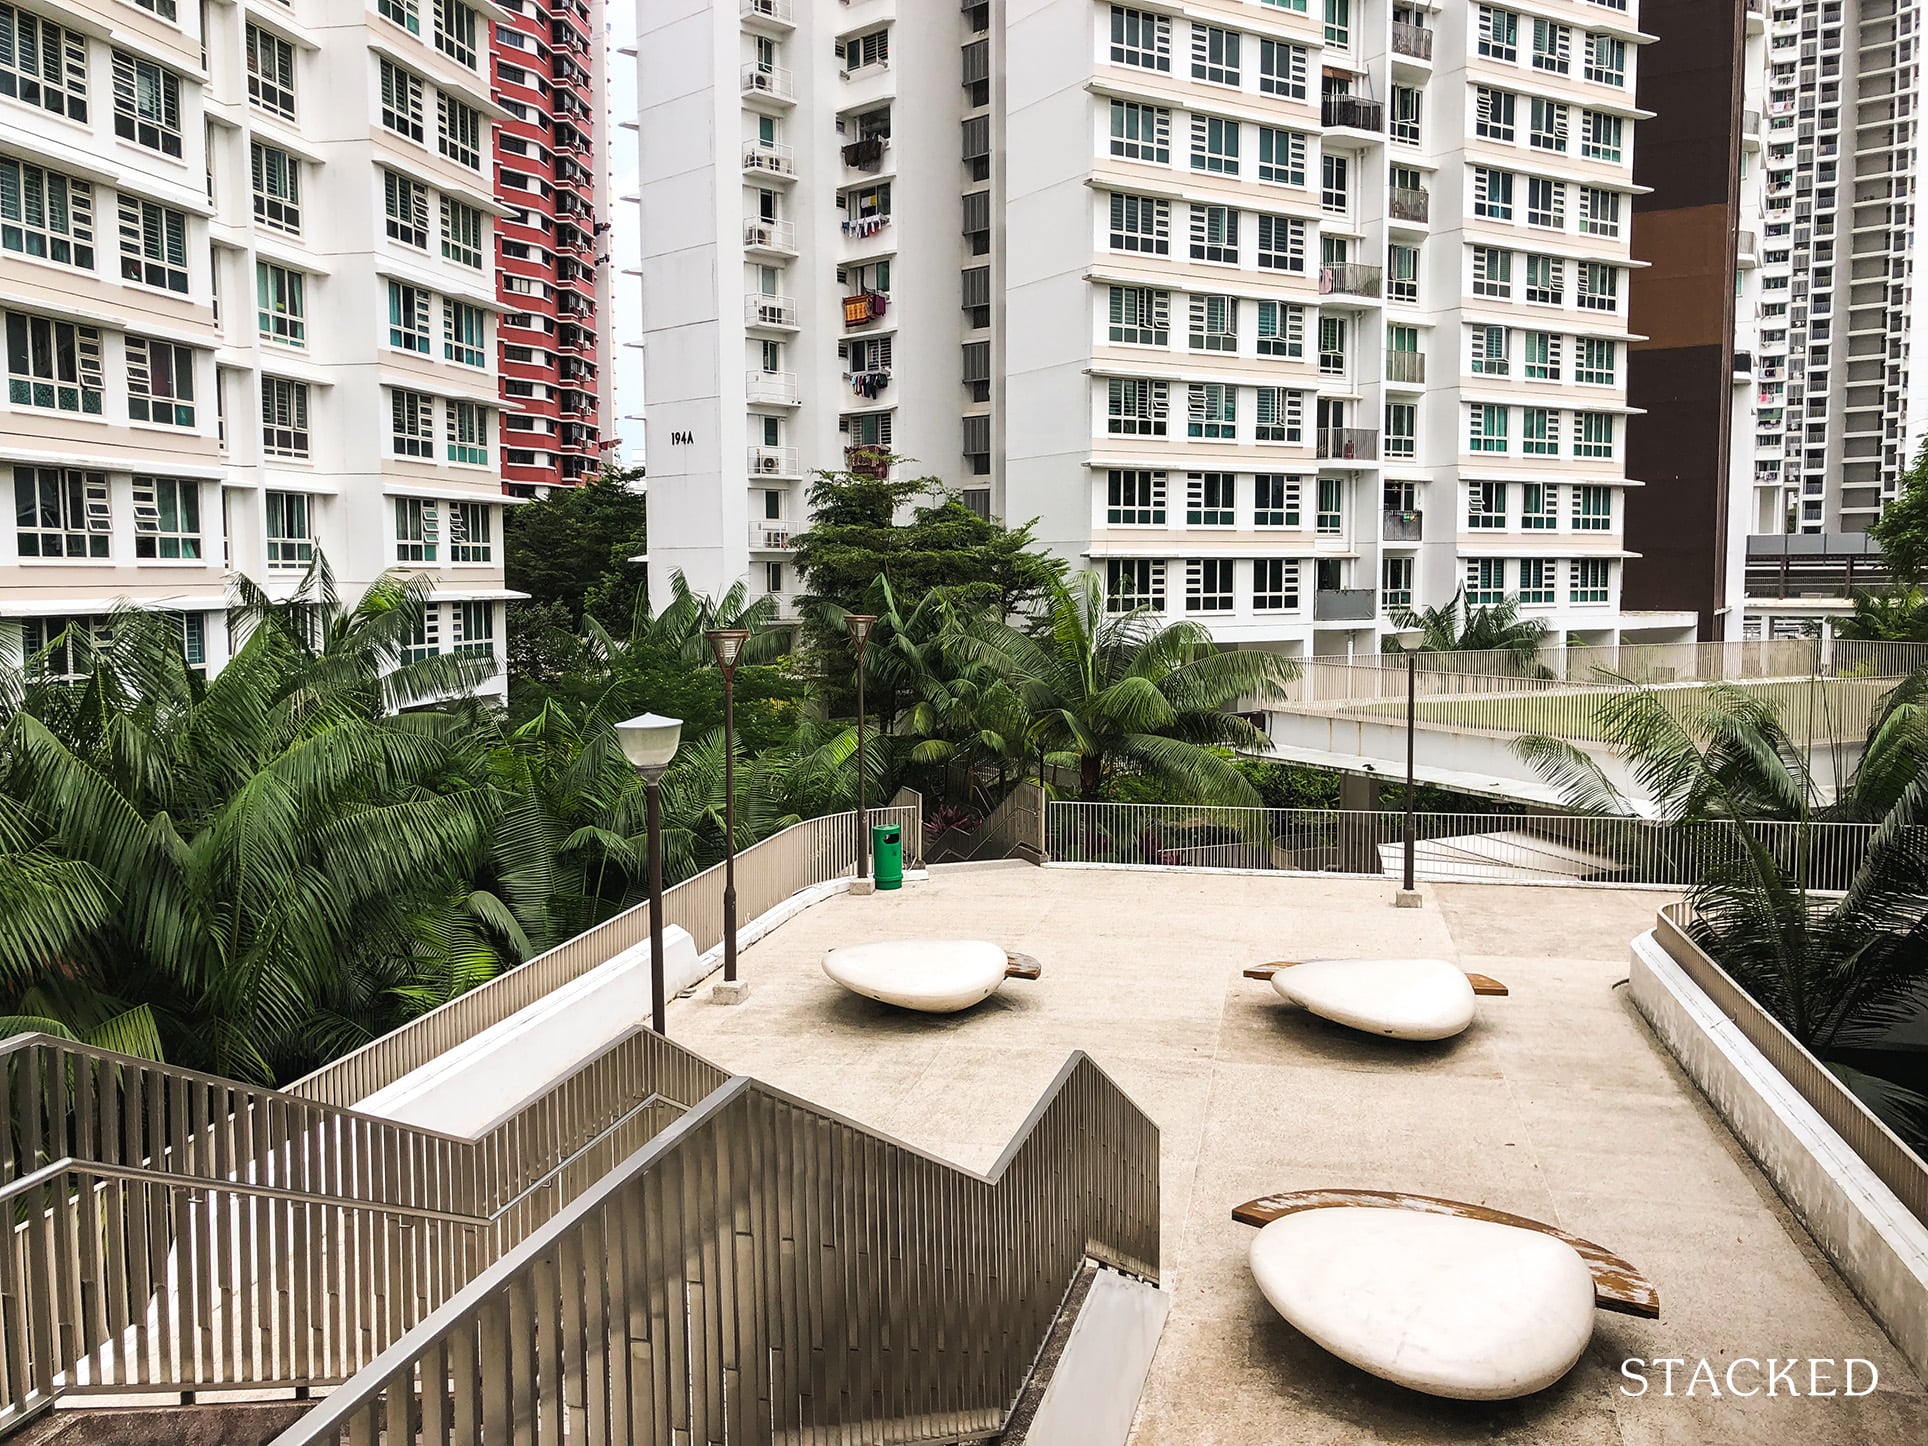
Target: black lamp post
[
  {"x": 727, "y": 644},
  {"x": 860, "y": 625},
  {"x": 649, "y": 742},
  {"x": 1412, "y": 693}
]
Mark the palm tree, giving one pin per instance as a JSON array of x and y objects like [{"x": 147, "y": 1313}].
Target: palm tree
[
  {"x": 1456, "y": 627},
  {"x": 1110, "y": 690},
  {"x": 1898, "y": 615}
]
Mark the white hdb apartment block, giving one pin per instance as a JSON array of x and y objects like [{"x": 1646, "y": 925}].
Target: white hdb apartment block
[
  {"x": 249, "y": 305},
  {"x": 1280, "y": 313}
]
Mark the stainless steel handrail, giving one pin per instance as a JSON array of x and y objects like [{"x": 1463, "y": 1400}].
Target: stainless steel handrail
[{"x": 766, "y": 1268}]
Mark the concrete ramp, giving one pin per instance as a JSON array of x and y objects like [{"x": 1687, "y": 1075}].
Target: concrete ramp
[
  {"x": 1510, "y": 856},
  {"x": 1094, "y": 1373}
]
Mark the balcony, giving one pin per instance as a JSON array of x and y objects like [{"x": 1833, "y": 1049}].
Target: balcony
[
  {"x": 1345, "y": 605},
  {"x": 1407, "y": 203},
  {"x": 770, "y": 388},
  {"x": 777, "y": 236},
  {"x": 772, "y": 462},
  {"x": 776, "y": 312},
  {"x": 765, "y": 160},
  {"x": 868, "y": 385},
  {"x": 1355, "y": 113},
  {"x": 770, "y": 535},
  {"x": 1411, "y": 41},
  {"x": 866, "y": 154},
  {"x": 867, "y": 459},
  {"x": 1401, "y": 526},
  {"x": 767, "y": 80},
  {"x": 862, "y": 228},
  {"x": 770, "y": 12},
  {"x": 1351, "y": 279},
  {"x": 1406, "y": 367},
  {"x": 864, "y": 308},
  {"x": 1348, "y": 444}
]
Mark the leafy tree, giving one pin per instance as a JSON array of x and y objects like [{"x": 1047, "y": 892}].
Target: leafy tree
[
  {"x": 1895, "y": 615},
  {"x": 1456, "y": 627},
  {"x": 574, "y": 547},
  {"x": 1903, "y": 528}
]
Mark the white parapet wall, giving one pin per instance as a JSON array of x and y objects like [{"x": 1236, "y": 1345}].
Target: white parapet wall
[{"x": 1879, "y": 1247}]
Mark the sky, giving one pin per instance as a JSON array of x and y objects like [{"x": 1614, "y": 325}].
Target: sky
[{"x": 626, "y": 245}]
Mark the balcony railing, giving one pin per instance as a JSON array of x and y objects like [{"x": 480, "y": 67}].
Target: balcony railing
[
  {"x": 1345, "y": 605},
  {"x": 1406, "y": 366},
  {"x": 1355, "y": 113},
  {"x": 867, "y": 460},
  {"x": 860, "y": 228},
  {"x": 770, "y": 311},
  {"x": 1349, "y": 444},
  {"x": 777, "y": 10},
  {"x": 761, "y": 235},
  {"x": 770, "y": 536},
  {"x": 868, "y": 383},
  {"x": 1411, "y": 40},
  {"x": 772, "y": 160},
  {"x": 779, "y": 387},
  {"x": 770, "y": 80},
  {"x": 1408, "y": 203},
  {"x": 866, "y": 154},
  {"x": 1402, "y": 526},
  {"x": 1351, "y": 279},
  {"x": 772, "y": 462}
]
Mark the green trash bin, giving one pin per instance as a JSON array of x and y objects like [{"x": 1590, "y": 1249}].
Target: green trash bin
[{"x": 887, "y": 855}]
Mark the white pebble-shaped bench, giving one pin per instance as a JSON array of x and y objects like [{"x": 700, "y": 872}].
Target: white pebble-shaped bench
[
  {"x": 1397, "y": 998},
  {"x": 931, "y": 976},
  {"x": 1437, "y": 1295}
]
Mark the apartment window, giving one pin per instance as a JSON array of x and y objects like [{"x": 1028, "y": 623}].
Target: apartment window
[
  {"x": 167, "y": 519},
  {"x": 1548, "y": 131},
  {"x": 1498, "y": 33},
  {"x": 1281, "y": 244},
  {"x": 411, "y": 423},
  {"x": 424, "y": 639},
  {"x": 1331, "y": 518},
  {"x": 408, "y": 313},
  {"x": 147, "y": 104},
  {"x": 1214, "y": 323},
  {"x": 1280, "y": 415},
  {"x": 455, "y": 32},
  {"x": 1335, "y": 187},
  {"x": 405, "y": 13},
  {"x": 1600, "y": 136},
  {"x": 1281, "y": 156},
  {"x": 417, "y": 530},
  {"x": 1606, "y": 60},
  {"x": 1589, "y": 580},
  {"x": 1211, "y": 410},
  {"x": 1211, "y": 499},
  {"x": 1281, "y": 329},
  {"x": 280, "y": 310},
  {"x": 1598, "y": 361},
  {"x": 1140, "y": 38},
  {"x": 401, "y": 101},
  {"x": 1137, "y": 407},
  {"x": 46, "y": 215},
  {"x": 1593, "y": 434},
  {"x": 53, "y": 364},
  {"x": 1545, "y": 202},
  {"x": 1214, "y": 233},
  {"x": 860, "y": 51},
  {"x": 461, "y": 233},
  {"x": 1141, "y": 132},
  {"x": 153, "y": 244},
  {"x": 1215, "y": 145},
  {"x": 1402, "y": 430},
  {"x": 1215, "y": 54},
  {"x": 1537, "y": 580},
  {"x": 1599, "y": 212},
  {"x": 1297, "y": 7},
  {"x": 1486, "y": 428},
  {"x": 1540, "y": 508},
  {"x": 1282, "y": 69},
  {"x": 1599, "y": 286},
  {"x": 468, "y": 433},
  {"x": 474, "y": 621},
  {"x": 1546, "y": 280},
  {"x": 463, "y": 331},
  {"x": 160, "y": 382},
  {"x": 1275, "y": 585},
  {"x": 1403, "y": 116},
  {"x": 1492, "y": 272},
  {"x": 1485, "y": 582},
  {"x": 1396, "y": 582},
  {"x": 1492, "y": 194},
  {"x": 1402, "y": 273},
  {"x": 1489, "y": 350},
  {"x": 1140, "y": 315},
  {"x": 1141, "y": 224},
  {"x": 271, "y": 72},
  {"x": 1135, "y": 498},
  {"x": 1493, "y": 112},
  {"x": 1275, "y": 500},
  {"x": 1539, "y": 432},
  {"x": 291, "y": 542},
  {"x": 284, "y": 418},
  {"x": 1486, "y": 505},
  {"x": 1208, "y": 585},
  {"x": 61, "y": 512},
  {"x": 1332, "y": 345},
  {"x": 1542, "y": 357},
  {"x": 1592, "y": 509},
  {"x": 470, "y": 538},
  {"x": 277, "y": 187},
  {"x": 458, "y": 131},
  {"x": 1338, "y": 23},
  {"x": 1132, "y": 583},
  {"x": 1552, "y": 47},
  {"x": 42, "y": 64},
  {"x": 405, "y": 209}
]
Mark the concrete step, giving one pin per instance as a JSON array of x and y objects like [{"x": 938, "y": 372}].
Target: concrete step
[{"x": 237, "y": 1423}]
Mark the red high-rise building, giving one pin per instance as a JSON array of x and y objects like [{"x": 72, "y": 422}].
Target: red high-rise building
[{"x": 552, "y": 248}]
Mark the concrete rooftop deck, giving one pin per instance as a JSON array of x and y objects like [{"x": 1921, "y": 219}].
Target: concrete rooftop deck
[{"x": 1558, "y": 1104}]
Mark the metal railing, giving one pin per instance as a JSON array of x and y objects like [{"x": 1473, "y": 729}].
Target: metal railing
[
  {"x": 812, "y": 852},
  {"x": 1541, "y": 848},
  {"x": 1352, "y": 278},
  {"x": 1354, "y": 112},
  {"x": 1411, "y": 40},
  {"x": 1345, "y": 444},
  {"x": 1406, "y": 366},
  {"x": 1408, "y": 203},
  {"x": 766, "y": 1270},
  {"x": 1880, "y": 1149},
  {"x": 1014, "y": 829}
]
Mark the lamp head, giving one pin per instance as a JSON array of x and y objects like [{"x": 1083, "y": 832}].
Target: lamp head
[
  {"x": 649, "y": 740},
  {"x": 860, "y": 625},
  {"x": 727, "y": 644}
]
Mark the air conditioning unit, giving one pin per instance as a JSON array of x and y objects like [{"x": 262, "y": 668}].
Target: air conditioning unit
[{"x": 766, "y": 464}]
